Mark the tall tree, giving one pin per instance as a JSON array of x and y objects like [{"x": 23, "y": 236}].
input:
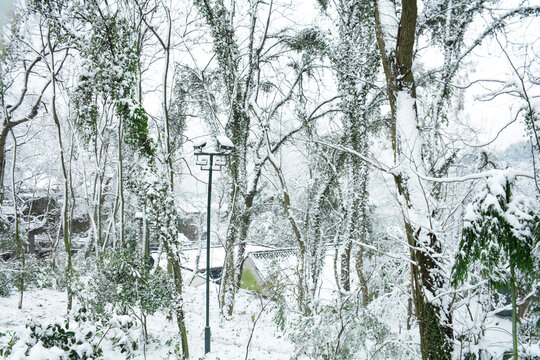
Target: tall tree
[
  {"x": 160, "y": 202},
  {"x": 247, "y": 76},
  {"x": 355, "y": 63},
  {"x": 396, "y": 38},
  {"x": 418, "y": 153}
]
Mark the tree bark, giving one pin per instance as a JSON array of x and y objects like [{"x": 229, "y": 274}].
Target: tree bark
[
  {"x": 179, "y": 310},
  {"x": 18, "y": 239},
  {"x": 65, "y": 212},
  {"x": 435, "y": 333},
  {"x": 513, "y": 289}
]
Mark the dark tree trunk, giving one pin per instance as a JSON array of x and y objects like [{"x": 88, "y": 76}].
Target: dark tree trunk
[{"x": 426, "y": 275}]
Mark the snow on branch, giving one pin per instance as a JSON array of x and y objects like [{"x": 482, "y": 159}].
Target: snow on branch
[
  {"x": 374, "y": 163},
  {"x": 476, "y": 176},
  {"x": 389, "y": 24}
]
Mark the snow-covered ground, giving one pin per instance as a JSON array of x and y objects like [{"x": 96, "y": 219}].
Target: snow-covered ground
[{"x": 229, "y": 338}]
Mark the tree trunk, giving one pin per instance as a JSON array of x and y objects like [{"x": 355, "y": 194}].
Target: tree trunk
[
  {"x": 426, "y": 275},
  {"x": 121, "y": 184},
  {"x": 346, "y": 267},
  {"x": 513, "y": 289},
  {"x": 65, "y": 212},
  {"x": 179, "y": 310},
  {"x": 18, "y": 239},
  {"x": 361, "y": 277},
  {"x": 3, "y": 138}
]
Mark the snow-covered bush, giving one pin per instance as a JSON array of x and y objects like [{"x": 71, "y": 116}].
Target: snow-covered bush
[
  {"x": 10, "y": 274},
  {"x": 125, "y": 283},
  {"x": 48, "y": 276},
  {"x": 7, "y": 340},
  {"x": 78, "y": 337},
  {"x": 7, "y": 272},
  {"x": 57, "y": 341},
  {"x": 342, "y": 329}
]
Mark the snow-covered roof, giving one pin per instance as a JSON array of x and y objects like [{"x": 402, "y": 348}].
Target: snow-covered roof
[
  {"x": 283, "y": 264},
  {"x": 217, "y": 256}
]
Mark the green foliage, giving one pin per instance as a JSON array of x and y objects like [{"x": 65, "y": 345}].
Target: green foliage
[
  {"x": 310, "y": 40},
  {"x": 47, "y": 7},
  {"x": 5, "y": 283},
  {"x": 60, "y": 336},
  {"x": 7, "y": 236},
  {"x": 162, "y": 213},
  {"x": 249, "y": 282},
  {"x": 7, "y": 268},
  {"x": 323, "y": 4},
  {"x": 532, "y": 122},
  {"x": 499, "y": 229},
  {"x": 126, "y": 282},
  {"x": 136, "y": 128},
  {"x": 108, "y": 75},
  {"x": 6, "y": 347},
  {"x": 79, "y": 337}
]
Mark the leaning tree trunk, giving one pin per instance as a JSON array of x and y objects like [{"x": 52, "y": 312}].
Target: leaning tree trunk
[{"x": 426, "y": 273}]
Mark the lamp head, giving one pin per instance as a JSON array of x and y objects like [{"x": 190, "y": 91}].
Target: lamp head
[
  {"x": 224, "y": 144},
  {"x": 199, "y": 145}
]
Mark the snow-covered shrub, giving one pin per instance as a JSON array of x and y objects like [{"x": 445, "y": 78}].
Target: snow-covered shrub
[
  {"x": 57, "y": 279},
  {"x": 120, "y": 330},
  {"x": 121, "y": 333},
  {"x": 341, "y": 329},
  {"x": 10, "y": 274},
  {"x": 124, "y": 283},
  {"x": 7, "y": 340},
  {"x": 49, "y": 277},
  {"x": 58, "y": 341},
  {"x": 79, "y": 337},
  {"x": 7, "y": 272}
]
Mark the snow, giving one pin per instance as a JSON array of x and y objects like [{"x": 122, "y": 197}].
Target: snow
[
  {"x": 389, "y": 24},
  {"x": 470, "y": 215},
  {"x": 407, "y": 127},
  {"x": 39, "y": 352},
  {"x": 217, "y": 144},
  {"x": 199, "y": 142},
  {"x": 228, "y": 341},
  {"x": 224, "y": 141}
]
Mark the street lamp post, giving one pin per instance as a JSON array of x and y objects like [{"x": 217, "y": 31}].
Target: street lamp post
[{"x": 211, "y": 156}]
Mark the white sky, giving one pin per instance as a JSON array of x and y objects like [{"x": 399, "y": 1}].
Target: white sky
[
  {"x": 5, "y": 8},
  {"x": 491, "y": 63}
]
